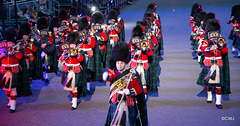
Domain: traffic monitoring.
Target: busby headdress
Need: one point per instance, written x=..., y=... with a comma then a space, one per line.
x=63, y=14
x=73, y=11
x=112, y=15
x=42, y=23
x=207, y=17
x=117, y=10
x=10, y=34
x=152, y=7
x=84, y=23
x=211, y=25
x=148, y=15
x=79, y=10
x=200, y=18
x=97, y=17
x=137, y=31
x=194, y=8
x=120, y=52
x=73, y=38
x=55, y=22
x=24, y=30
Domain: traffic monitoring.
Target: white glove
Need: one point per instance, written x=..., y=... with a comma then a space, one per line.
x=126, y=91
x=105, y=76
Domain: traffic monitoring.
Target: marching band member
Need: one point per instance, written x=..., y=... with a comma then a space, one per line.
x=47, y=46
x=113, y=28
x=28, y=47
x=127, y=102
x=10, y=68
x=66, y=26
x=121, y=22
x=89, y=48
x=73, y=72
x=101, y=37
x=215, y=72
x=140, y=55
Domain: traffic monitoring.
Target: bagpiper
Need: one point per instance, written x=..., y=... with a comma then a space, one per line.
x=101, y=35
x=88, y=46
x=127, y=101
x=48, y=48
x=141, y=50
x=215, y=72
x=10, y=68
x=73, y=71
x=235, y=32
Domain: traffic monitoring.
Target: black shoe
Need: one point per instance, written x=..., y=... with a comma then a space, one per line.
x=73, y=108
x=47, y=81
x=12, y=111
x=219, y=106
x=209, y=102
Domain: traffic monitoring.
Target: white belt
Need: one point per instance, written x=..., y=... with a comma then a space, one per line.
x=28, y=54
x=72, y=65
x=212, y=58
x=140, y=61
x=113, y=35
x=12, y=65
x=87, y=49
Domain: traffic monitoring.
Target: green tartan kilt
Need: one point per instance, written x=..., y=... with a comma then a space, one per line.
x=78, y=78
x=153, y=74
x=231, y=35
x=103, y=56
x=31, y=68
x=91, y=64
x=237, y=42
x=203, y=74
x=15, y=81
x=131, y=110
x=50, y=61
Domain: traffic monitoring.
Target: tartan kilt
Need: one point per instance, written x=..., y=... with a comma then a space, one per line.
x=15, y=82
x=153, y=70
x=78, y=78
x=237, y=42
x=132, y=114
x=90, y=64
x=231, y=35
x=24, y=88
x=38, y=69
x=203, y=74
x=97, y=75
x=50, y=60
x=31, y=69
x=195, y=44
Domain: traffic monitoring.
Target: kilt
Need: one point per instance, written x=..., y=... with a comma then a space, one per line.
x=97, y=75
x=90, y=64
x=231, y=35
x=132, y=114
x=153, y=70
x=236, y=44
x=38, y=69
x=78, y=78
x=15, y=81
x=203, y=74
x=31, y=69
x=24, y=88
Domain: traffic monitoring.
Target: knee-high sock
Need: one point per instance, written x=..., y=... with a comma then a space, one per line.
x=218, y=95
